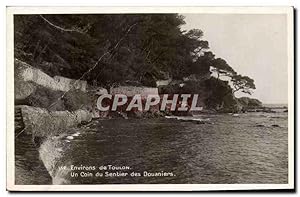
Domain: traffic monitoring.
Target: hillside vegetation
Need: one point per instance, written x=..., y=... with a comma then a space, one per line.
x=116, y=49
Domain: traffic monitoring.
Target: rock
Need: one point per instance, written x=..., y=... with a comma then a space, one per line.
x=43, y=123
x=35, y=88
x=70, y=137
x=260, y=125
x=77, y=99
x=275, y=125
x=130, y=91
x=76, y=134
x=44, y=98
x=249, y=103
x=69, y=84
x=23, y=89
x=83, y=116
x=28, y=166
x=26, y=73
x=200, y=122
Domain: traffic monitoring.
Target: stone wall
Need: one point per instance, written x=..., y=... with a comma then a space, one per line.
x=68, y=84
x=163, y=82
x=130, y=91
x=26, y=77
x=40, y=122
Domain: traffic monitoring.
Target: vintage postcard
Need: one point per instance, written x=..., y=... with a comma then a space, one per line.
x=150, y=98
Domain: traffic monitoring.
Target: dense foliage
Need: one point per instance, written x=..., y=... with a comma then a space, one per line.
x=110, y=49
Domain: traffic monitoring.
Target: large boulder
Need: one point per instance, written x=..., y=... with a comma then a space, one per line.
x=28, y=77
x=22, y=87
x=44, y=98
x=42, y=123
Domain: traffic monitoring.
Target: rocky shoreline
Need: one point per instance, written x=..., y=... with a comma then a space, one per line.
x=49, y=106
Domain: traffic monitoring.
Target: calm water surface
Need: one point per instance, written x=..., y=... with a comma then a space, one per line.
x=250, y=148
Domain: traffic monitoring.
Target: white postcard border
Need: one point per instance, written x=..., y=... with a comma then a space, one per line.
x=145, y=187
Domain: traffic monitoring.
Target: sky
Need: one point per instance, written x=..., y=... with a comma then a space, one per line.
x=252, y=44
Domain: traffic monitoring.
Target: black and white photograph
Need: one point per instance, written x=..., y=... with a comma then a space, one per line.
x=150, y=99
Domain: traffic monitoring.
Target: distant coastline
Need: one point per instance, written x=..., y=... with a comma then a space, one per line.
x=276, y=105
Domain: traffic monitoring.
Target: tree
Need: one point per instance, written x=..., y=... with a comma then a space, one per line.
x=242, y=83
x=106, y=49
x=196, y=44
x=203, y=46
x=195, y=34
x=219, y=93
x=221, y=67
x=203, y=63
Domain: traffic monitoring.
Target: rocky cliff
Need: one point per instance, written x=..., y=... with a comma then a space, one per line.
x=44, y=105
